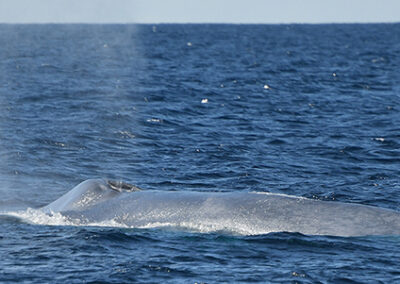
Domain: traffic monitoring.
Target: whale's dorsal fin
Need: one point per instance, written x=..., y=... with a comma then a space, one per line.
x=121, y=186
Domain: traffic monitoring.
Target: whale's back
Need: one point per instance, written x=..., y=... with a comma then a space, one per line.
x=97, y=201
x=89, y=193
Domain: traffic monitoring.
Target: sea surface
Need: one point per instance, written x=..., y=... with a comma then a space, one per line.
x=305, y=110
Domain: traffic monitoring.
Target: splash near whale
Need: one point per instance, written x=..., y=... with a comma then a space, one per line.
x=99, y=201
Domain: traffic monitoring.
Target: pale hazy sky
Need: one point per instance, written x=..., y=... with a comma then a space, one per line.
x=199, y=11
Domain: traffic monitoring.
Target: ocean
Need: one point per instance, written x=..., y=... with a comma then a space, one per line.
x=304, y=110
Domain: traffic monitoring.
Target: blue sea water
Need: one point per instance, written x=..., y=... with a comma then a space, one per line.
x=305, y=110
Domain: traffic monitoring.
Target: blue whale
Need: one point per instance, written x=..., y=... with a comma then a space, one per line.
x=98, y=201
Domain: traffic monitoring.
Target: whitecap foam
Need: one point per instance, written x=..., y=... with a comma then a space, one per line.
x=38, y=217
x=203, y=227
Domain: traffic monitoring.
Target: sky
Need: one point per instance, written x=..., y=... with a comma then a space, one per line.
x=199, y=11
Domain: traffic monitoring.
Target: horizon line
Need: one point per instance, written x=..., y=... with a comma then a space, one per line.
x=196, y=23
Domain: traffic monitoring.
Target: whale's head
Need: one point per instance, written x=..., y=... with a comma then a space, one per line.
x=89, y=193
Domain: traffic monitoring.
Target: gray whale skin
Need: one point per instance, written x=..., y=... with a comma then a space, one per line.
x=94, y=201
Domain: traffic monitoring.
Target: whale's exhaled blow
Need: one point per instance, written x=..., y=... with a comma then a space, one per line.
x=96, y=201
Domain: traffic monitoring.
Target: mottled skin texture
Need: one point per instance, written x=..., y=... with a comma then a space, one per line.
x=96, y=201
